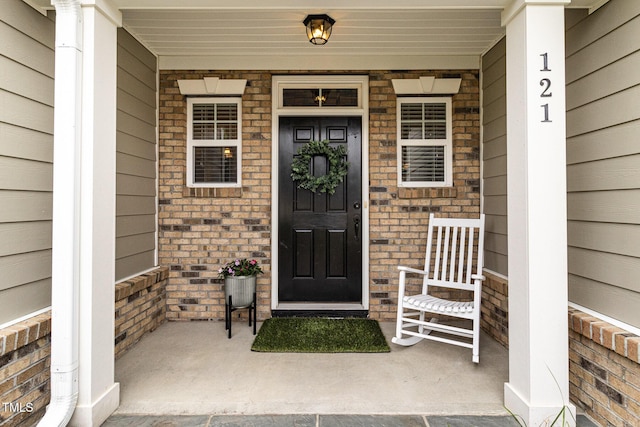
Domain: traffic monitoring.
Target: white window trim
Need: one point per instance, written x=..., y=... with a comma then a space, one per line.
x=280, y=83
x=447, y=143
x=191, y=143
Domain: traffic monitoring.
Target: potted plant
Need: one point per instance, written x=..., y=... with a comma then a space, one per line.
x=240, y=281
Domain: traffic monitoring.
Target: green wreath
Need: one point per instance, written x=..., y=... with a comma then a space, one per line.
x=338, y=166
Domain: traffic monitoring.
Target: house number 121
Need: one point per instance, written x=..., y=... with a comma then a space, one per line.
x=546, y=87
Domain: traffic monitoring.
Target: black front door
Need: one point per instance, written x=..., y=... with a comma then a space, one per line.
x=320, y=235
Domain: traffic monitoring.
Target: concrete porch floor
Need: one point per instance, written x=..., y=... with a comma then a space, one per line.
x=191, y=368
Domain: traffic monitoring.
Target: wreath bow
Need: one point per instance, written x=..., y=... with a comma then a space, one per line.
x=338, y=166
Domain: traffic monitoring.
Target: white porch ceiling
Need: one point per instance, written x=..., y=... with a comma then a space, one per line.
x=360, y=38
x=368, y=34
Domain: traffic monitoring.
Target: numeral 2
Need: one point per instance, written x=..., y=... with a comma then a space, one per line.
x=546, y=83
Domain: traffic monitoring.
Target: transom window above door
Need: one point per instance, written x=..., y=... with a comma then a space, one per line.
x=320, y=97
x=214, y=142
x=319, y=94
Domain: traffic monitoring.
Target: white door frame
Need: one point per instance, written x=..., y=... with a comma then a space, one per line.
x=361, y=83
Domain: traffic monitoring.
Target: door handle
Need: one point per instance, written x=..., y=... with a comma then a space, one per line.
x=356, y=225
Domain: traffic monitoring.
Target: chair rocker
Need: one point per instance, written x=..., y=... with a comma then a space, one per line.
x=450, y=265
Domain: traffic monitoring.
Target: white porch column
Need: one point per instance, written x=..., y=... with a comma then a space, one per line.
x=98, y=393
x=538, y=384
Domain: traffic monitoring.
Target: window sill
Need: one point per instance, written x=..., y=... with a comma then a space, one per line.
x=427, y=193
x=212, y=192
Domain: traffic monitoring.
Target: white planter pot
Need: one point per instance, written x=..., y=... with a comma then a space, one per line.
x=241, y=289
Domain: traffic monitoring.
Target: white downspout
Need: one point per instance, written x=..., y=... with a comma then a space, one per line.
x=66, y=220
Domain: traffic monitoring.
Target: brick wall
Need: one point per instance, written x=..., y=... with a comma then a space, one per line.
x=140, y=307
x=399, y=216
x=204, y=228
x=25, y=360
x=201, y=229
x=495, y=307
x=604, y=370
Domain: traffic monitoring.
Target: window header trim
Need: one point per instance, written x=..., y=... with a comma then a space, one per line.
x=212, y=86
x=426, y=85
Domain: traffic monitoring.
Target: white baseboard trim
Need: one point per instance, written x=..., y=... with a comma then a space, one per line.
x=535, y=415
x=95, y=414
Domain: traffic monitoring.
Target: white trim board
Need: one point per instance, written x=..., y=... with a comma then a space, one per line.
x=25, y=317
x=627, y=327
x=356, y=81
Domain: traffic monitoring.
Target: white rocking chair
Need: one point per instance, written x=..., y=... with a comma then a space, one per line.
x=449, y=263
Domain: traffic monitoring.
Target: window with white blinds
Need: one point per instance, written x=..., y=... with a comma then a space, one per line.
x=215, y=164
x=423, y=164
x=424, y=142
x=214, y=142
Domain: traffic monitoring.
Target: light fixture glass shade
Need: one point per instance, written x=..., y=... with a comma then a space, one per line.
x=318, y=28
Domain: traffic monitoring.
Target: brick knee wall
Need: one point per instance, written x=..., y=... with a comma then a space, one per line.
x=25, y=361
x=495, y=308
x=140, y=307
x=604, y=370
x=25, y=348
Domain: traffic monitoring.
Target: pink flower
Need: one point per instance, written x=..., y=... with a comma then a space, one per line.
x=253, y=262
x=237, y=262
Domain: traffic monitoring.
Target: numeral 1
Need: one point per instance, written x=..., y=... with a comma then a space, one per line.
x=545, y=62
x=545, y=107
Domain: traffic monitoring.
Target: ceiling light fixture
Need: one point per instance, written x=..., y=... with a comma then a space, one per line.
x=318, y=28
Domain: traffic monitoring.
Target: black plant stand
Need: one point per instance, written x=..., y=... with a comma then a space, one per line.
x=229, y=308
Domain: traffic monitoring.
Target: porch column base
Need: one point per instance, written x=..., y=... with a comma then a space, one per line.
x=99, y=410
x=522, y=409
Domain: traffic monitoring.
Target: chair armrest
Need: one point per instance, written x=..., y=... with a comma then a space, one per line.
x=478, y=277
x=401, y=282
x=411, y=270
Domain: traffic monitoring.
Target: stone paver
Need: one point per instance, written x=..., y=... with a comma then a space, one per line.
x=263, y=421
x=472, y=421
x=371, y=421
x=157, y=421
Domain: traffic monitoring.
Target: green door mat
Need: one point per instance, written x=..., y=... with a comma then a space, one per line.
x=320, y=335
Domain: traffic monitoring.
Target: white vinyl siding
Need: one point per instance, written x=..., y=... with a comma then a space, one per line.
x=494, y=157
x=603, y=160
x=26, y=159
x=214, y=142
x=136, y=163
x=424, y=142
